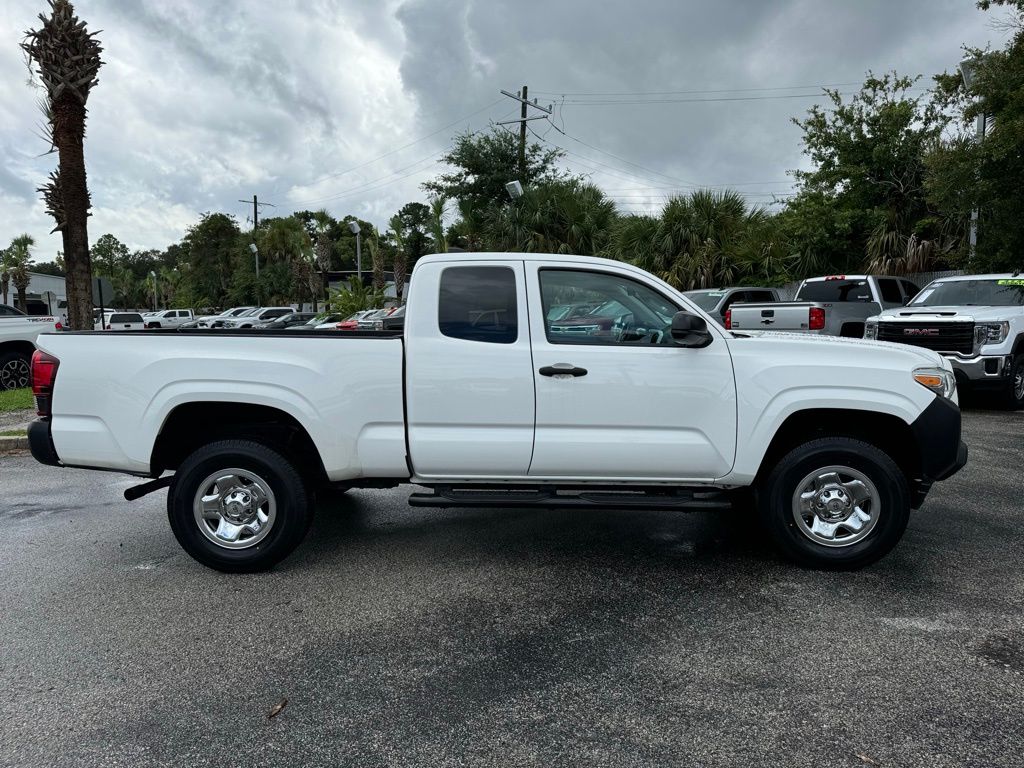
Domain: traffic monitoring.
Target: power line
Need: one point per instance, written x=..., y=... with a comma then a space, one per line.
x=435, y=156
x=627, y=102
x=713, y=90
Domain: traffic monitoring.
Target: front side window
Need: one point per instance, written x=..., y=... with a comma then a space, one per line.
x=605, y=309
x=478, y=304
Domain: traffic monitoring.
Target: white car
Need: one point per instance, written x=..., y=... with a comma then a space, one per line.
x=18, y=334
x=118, y=321
x=168, y=318
x=257, y=317
x=215, y=321
x=484, y=404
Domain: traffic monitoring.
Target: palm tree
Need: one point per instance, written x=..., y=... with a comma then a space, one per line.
x=437, y=210
x=66, y=57
x=16, y=262
x=322, y=222
x=469, y=228
x=5, y=272
x=377, y=260
x=560, y=217
x=401, y=260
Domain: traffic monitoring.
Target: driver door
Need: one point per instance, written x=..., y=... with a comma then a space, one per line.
x=616, y=399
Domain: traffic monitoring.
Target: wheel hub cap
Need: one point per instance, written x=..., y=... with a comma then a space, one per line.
x=836, y=506
x=234, y=508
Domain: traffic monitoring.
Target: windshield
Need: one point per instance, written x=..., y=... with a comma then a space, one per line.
x=706, y=300
x=834, y=290
x=1008, y=292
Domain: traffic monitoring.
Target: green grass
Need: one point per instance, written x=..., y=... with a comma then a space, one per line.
x=13, y=433
x=16, y=400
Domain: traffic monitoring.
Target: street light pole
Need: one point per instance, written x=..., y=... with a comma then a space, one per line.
x=968, y=68
x=353, y=227
x=155, y=299
x=256, y=253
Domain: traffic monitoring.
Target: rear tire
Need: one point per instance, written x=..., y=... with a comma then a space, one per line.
x=803, y=507
x=238, y=506
x=15, y=370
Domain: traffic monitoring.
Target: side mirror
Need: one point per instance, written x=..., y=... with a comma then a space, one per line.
x=690, y=331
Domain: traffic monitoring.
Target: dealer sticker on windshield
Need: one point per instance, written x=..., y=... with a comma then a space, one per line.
x=1016, y=281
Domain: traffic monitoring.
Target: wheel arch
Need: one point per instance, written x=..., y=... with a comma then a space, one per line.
x=885, y=431
x=19, y=346
x=190, y=426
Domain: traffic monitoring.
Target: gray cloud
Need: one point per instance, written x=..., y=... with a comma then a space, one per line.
x=201, y=103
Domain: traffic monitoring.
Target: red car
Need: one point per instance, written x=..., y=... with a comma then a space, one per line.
x=352, y=322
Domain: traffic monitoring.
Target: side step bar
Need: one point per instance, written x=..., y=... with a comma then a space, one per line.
x=544, y=498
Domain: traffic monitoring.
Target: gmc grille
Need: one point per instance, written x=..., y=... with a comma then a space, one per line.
x=941, y=336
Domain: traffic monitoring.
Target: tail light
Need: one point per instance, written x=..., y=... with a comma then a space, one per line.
x=44, y=371
x=57, y=326
x=728, y=319
x=816, y=319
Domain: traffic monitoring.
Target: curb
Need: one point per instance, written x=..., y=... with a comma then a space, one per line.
x=19, y=443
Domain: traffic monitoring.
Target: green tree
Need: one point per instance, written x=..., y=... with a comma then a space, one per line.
x=986, y=175
x=108, y=254
x=213, y=248
x=66, y=58
x=556, y=217
x=14, y=265
x=702, y=240
x=401, y=257
x=864, y=201
x=483, y=163
x=355, y=297
x=437, y=205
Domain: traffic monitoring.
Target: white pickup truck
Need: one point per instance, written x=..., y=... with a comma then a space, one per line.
x=974, y=321
x=484, y=400
x=18, y=334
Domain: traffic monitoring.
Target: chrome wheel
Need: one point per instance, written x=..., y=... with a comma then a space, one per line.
x=836, y=506
x=15, y=373
x=235, y=508
x=1018, y=383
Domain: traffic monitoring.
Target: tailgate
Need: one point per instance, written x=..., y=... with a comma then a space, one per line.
x=777, y=316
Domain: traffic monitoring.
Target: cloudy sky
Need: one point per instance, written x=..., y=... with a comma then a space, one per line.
x=347, y=104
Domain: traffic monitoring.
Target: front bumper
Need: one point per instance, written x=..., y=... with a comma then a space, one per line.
x=941, y=450
x=982, y=368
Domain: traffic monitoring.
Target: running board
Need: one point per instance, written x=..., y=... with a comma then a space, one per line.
x=542, y=498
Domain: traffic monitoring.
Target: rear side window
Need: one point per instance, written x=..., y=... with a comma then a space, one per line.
x=125, y=318
x=909, y=289
x=478, y=304
x=835, y=290
x=6, y=311
x=890, y=290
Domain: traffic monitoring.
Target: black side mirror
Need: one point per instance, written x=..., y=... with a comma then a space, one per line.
x=690, y=331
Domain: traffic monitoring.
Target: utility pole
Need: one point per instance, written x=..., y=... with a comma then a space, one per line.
x=525, y=103
x=256, y=210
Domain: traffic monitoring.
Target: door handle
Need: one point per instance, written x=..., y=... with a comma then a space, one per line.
x=562, y=369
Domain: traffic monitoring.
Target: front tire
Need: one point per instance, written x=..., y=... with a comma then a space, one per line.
x=238, y=506
x=1012, y=397
x=15, y=371
x=835, y=503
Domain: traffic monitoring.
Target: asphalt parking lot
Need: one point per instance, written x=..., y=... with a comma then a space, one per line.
x=425, y=637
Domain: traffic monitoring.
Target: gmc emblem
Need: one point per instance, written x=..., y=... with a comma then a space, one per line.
x=920, y=331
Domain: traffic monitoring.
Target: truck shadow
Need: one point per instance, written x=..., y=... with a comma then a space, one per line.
x=362, y=518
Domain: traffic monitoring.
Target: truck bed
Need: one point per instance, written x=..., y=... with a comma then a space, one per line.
x=117, y=388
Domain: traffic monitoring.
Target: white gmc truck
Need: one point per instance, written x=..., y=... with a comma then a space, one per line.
x=974, y=321
x=484, y=399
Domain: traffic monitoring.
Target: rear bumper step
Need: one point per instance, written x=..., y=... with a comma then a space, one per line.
x=675, y=500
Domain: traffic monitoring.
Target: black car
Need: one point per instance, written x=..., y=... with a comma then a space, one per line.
x=287, y=321
x=395, y=321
